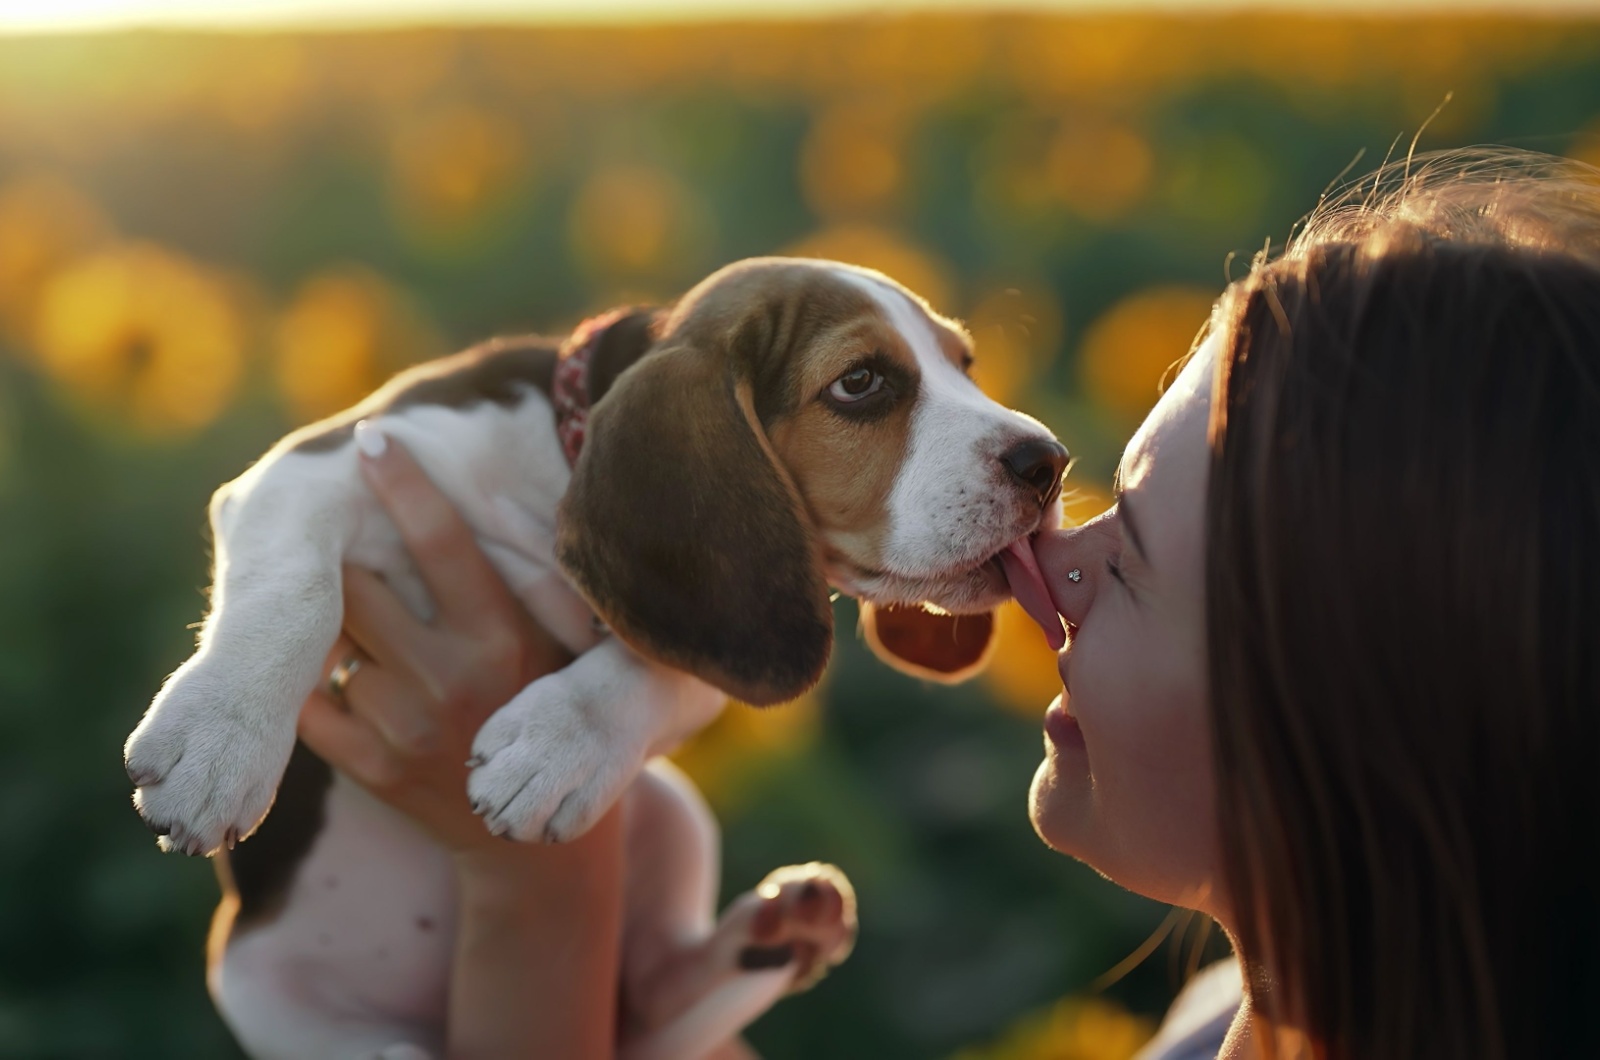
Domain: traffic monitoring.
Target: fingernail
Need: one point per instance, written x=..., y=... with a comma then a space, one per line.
x=754, y=958
x=370, y=439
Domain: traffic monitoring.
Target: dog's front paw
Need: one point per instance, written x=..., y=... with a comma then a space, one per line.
x=549, y=764
x=204, y=769
x=806, y=917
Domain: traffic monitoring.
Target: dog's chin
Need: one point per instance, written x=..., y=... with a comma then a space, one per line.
x=963, y=592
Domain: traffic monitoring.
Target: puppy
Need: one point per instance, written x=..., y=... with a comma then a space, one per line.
x=671, y=493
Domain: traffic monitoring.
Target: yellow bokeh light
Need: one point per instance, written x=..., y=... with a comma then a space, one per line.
x=265, y=84
x=634, y=220
x=1074, y=1029
x=889, y=253
x=451, y=167
x=389, y=69
x=1081, y=501
x=1128, y=350
x=345, y=330
x=1099, y=169
x=142, y=333
x=850, y=163
x=1585, y=146
x=44, y=221
x=1017, y=333
x=728, y=755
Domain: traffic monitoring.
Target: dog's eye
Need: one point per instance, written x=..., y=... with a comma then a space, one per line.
x=855, y=384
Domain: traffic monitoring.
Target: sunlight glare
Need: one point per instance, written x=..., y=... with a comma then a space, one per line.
x=56, y=16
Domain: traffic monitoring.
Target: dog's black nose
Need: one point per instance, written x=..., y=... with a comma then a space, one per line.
x=1038, y=464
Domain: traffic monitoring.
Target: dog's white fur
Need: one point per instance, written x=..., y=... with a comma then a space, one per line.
x=208, y=755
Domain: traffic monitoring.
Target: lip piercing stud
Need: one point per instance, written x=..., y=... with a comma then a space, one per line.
x=1075, y=574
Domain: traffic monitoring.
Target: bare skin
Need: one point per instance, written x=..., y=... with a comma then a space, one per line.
x=1126, y=784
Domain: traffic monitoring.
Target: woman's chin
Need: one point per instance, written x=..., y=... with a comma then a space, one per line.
x=1063, y=813
x=1056, y=814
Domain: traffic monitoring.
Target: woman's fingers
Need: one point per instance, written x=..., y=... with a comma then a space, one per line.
x=371, y=702
x=458, y=575
x=380, y=622
x=347, y=742
x=340, y=737
x=393, y=705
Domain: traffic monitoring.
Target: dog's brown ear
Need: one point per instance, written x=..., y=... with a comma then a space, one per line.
x=929, y=644
x=686, y=537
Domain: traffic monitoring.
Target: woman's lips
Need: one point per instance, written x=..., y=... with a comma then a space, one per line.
x=1061, y=727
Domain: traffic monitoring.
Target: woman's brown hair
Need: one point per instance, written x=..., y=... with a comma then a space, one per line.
x=1403, y=612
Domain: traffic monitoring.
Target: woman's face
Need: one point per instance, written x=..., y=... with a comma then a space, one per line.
x=1126, y=784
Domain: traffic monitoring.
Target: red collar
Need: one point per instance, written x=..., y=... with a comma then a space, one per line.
x=569, y=390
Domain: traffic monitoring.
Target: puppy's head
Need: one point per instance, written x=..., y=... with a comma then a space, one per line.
x=799, y=424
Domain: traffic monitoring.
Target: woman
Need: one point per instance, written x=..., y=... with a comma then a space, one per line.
x=1333, y=676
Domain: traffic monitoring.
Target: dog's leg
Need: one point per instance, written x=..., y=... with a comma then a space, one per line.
x=556, y=757
x=778, y=939
x=208, y=754
x=690, y=986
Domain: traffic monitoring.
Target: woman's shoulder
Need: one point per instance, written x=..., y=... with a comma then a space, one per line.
x=1198, y=1020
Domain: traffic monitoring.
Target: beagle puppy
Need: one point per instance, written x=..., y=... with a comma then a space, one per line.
x=671, y=493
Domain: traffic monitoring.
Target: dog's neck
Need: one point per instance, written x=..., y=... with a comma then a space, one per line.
x=594, y=355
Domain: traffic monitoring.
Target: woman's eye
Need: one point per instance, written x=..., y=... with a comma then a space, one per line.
x=855, y=384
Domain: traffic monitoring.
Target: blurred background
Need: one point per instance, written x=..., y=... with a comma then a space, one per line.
x=208, y=236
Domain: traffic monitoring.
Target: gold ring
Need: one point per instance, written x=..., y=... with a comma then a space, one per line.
x=339, y=678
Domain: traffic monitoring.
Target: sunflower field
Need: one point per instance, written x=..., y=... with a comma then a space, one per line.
x=208, y=239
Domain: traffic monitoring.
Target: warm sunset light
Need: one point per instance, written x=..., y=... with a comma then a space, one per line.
x=221, y=220
x=70, y=15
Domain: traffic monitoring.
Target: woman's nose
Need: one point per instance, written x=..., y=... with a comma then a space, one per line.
x=1062, y=562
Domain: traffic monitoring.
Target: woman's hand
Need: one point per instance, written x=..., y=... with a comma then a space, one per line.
x=539, y=931
x=416, y=692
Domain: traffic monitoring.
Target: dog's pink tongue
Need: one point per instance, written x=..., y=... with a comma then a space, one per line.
x=1027, y=585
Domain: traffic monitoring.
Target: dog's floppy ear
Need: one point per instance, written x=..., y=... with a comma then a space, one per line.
x=929, y=644
x=686, y=537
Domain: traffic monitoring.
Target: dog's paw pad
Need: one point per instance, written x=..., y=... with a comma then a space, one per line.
x=807, y=914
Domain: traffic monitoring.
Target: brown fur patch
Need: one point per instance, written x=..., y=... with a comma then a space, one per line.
x=844, y=471
x=843, y=468
x=498, y=371
x=259, y=873
x=725, y=444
